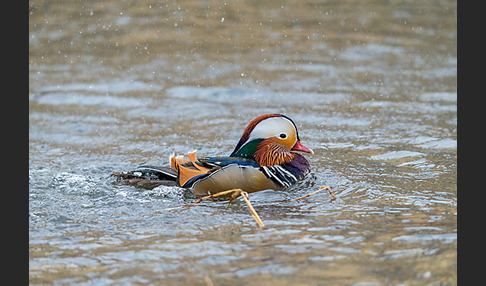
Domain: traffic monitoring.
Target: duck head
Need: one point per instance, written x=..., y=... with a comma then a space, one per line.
x=270, y=139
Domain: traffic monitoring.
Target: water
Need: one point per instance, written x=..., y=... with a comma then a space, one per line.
x=371, y=86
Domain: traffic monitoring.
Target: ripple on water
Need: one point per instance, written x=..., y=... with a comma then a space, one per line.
x=446, y=238
x=105, y=86
x=66, y=98
x=251, y=96
x=396, y=155
x=438, y=96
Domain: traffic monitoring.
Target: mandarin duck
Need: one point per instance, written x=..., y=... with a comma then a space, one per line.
x=264, y=158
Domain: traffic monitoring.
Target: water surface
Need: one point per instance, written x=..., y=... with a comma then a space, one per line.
x=371, y=86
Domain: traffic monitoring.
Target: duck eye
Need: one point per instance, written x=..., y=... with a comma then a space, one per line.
x=282, y=135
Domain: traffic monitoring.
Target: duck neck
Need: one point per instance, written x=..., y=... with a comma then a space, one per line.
x=247, y=150
x=270, y=153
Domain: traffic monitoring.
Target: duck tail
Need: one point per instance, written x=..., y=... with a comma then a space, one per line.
x=148, y=176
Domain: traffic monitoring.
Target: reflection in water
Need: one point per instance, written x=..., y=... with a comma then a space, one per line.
x=371, y=86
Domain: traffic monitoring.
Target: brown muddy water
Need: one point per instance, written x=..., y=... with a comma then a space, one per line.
x=371, y=86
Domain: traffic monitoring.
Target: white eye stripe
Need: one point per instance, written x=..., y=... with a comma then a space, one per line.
x=267, y=128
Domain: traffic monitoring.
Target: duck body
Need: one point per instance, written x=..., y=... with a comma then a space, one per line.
x=264, y=158
x=246, y=174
